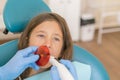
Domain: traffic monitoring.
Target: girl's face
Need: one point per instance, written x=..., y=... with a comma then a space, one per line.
x=49, y=34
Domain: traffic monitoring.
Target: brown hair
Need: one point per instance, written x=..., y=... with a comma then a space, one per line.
x=66, y=52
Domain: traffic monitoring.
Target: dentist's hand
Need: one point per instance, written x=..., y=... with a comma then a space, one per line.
x=54, y=72
x=18, y=63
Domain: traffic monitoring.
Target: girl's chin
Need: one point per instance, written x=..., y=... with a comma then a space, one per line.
x=46, y=66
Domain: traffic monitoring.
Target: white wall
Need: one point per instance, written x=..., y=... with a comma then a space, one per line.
x=2, y=3
x=2, y=25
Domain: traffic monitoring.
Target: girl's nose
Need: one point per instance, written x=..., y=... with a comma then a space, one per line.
x=48, y=43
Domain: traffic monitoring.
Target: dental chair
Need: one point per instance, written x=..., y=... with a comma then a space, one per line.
x=17, y=13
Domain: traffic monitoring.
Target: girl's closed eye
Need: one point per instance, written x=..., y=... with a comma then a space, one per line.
x=41, y=35
x=56, y=39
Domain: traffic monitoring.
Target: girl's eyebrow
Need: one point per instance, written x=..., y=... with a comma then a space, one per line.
x=40, y=31
x=58, y=35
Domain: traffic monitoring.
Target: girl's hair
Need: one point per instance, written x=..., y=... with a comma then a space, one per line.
x=67, y=48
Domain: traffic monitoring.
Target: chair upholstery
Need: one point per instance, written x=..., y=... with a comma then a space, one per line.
x=17, y=14
x=83, y=56
x=7, y=51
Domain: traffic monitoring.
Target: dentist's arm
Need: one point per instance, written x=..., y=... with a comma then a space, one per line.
x=18, y=63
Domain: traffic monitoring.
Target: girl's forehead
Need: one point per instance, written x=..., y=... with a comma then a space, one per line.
x=48, y=26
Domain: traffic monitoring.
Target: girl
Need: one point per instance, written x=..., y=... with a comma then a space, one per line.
x=51, y=30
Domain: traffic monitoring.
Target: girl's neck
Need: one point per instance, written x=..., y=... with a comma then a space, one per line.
x=34, y=72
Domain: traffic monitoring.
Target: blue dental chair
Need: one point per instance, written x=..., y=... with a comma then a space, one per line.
x=17, y=14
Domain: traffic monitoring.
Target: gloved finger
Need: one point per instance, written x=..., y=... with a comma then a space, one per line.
x=29, y=50
x=34, y=66
x=31, y=59
x=68, y=64
x=54, y=73
x=70, y=67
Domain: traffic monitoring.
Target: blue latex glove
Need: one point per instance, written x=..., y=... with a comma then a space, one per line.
x=18, y=63
x=54, y=72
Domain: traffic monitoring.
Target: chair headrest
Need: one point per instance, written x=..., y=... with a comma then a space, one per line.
x=17, y=13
